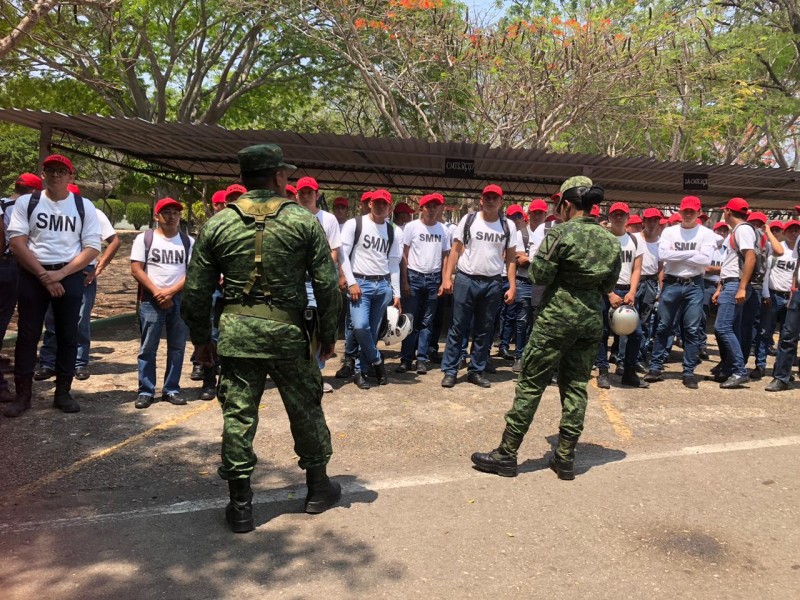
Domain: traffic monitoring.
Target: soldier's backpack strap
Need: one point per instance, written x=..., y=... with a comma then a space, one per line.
x=260, y=212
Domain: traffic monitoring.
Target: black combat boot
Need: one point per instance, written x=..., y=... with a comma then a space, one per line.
x=348, y=368
x=380, y=373
x=62, y=399
x=322, y=492
x=503, y=459
x=603, y=382
x=564, y=457
x=22, y=400
x=239, y=512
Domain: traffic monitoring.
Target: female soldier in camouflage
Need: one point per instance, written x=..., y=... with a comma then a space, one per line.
x=578, y=261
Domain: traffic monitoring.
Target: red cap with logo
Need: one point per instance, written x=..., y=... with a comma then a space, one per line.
x=720, y=225
x=702, y=217
x=635, y=220
x=773, y=224
x=514, y=209
x=167, y=203
x=341, y=201
x=537, y=204
x=792, y=223
x=366, y=196
x=738, y=205
x=652, y=213
x=403, y=208
x=30, y=180
x=307, y=182
x=435, y=198
x=619, y=207
x=663, y=221
x=58, y=159
x=492, y=189
x=675, y=218
x=757, y=217
x=291, y=190
x=595, y=212
x=71, y=187
x=219, y=197
x=381, y=194
x=235, y=188
x=690, y=203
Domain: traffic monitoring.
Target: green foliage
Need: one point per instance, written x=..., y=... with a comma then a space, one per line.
x=199, y=214
x=138, y=214
x=19, y=153
x=112, y=208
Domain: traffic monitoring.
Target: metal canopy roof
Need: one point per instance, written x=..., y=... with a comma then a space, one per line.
x=357, y=162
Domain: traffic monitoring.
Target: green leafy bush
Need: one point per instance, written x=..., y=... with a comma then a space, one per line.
x=138, y=214
x=112, y=208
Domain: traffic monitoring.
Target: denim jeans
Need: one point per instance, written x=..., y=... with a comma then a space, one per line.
x=708, y=291
x=631, y=347
x=787, y=344
x=47, y=352
x=478, y=298
x=366, y=315
x=728, y=330
x=524, y=320
x=751, y=326
x=9, y=274
x=684, y=300
x=421, y=305
x=34, y=300
x=772, y=316
x=645, y=303
x=152, y=320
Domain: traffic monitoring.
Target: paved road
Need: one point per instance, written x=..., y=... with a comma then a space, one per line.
x=680, y=494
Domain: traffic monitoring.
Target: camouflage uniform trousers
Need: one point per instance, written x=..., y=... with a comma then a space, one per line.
x=241, y=386
x=573, y=357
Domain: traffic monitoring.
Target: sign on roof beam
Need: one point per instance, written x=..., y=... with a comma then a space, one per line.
x=459, y=167
x=695, y=182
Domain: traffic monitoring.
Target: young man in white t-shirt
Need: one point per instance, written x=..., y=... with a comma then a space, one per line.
x=685, y=251
x=47, y=352
x=733, y=289
x=482, y=245
x=160, y=271
x=631, y=251
x=371, y=266
x=426, y=245
x=649, y=286
x=54, y=235
x=710, y=281
x=790, y=330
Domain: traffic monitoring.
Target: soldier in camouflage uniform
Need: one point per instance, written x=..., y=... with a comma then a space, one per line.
x=578, y=261
x=263, y=246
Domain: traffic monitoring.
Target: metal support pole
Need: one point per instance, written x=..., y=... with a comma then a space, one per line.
x=45, y=138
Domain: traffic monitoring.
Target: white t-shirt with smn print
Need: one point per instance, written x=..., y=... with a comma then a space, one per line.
x=166, y=260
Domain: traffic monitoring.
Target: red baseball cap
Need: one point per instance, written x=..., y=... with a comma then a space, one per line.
x=663, y=221
x=595, y=212
x=235, y=188
x=720, y=225
x=757, y=216
x=738, y=205
x=71, y=187
x=403, y=208
x=792, y=223
x=341, y=201
x=514, y=209
x=778, y=224
x=29, y=180
x=652, y=213
x=437, y=198
x=167, y=202
x=690, y=203
x=366, y=196
x=537, y=204
x=58, y=159
x=635, y=220
x=797, y=208
x=219, y=197
x=307, y=182
x=492, y=189
x=551, y=218
x=675, y=218
x=702, y=217
x=619, y=206
x=382, y=195
x=290, y=189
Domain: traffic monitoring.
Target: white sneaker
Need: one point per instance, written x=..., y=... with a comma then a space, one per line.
x=327, y=388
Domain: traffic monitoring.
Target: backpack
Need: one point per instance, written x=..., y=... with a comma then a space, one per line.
x=37, y=196
x=148, y=243
x=758, y=272
x=357, y=235
x=525, y=237
x=471, y=219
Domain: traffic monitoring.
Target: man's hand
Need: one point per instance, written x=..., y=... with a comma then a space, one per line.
x=614, y=300
x=629, y=298
x=206, y=354
x=326, y=351
x=342, y=283
x=510, y=296
x=741, y=295
x=766, y=301
x=48, y=277
x=405, y=288
x=166, y=303
x=162, y=296
x=396, y=304
x=446, y=287
x=355, y=293
x=89, y=276
x=56, y=290
x=715, y=298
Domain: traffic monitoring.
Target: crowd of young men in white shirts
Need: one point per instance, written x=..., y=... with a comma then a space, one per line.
x=674, y=272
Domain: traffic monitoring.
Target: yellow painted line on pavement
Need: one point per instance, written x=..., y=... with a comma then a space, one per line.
x=78, y=465
x=613, y=414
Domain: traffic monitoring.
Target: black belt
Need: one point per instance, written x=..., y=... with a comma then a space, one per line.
x=54, y=267
x=710, y=281
x=682, y=280
x=484, y=277
x=437, y=274
x=650, y=277
x=372, y=277
x=728, y=280
x=523, y=278
x=623, y=288
x=781, y=294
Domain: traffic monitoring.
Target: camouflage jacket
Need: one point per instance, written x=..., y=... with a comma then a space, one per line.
x=294, y=244
x=577, y=261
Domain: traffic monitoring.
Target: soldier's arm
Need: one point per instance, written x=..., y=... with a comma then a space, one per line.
x=202, y=276
x=325, y=281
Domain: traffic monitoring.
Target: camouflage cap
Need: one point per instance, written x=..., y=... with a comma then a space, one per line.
x=577, y=181
x=262, y=156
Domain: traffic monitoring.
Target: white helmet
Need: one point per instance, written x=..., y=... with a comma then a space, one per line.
x=623, y=320
x=395, y=327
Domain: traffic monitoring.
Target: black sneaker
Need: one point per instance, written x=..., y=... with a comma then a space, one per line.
x=620, y=369
x=346, y=371
x=517, y=368
x=690, y=381
x=43, y=373
x=603, y=382
x=479, y=380
x=422, y=367
x=403, y=367
x=361, y=381
x=143, y=401
x=197, y=373
x=757, y=373
x=703, y=354
x=734, y=381
x=174, y=398
x=653, y=376
x=462, y=364
x=82, y=373
x=776, y=385
x=209, y=392
x=448, y=381
x=505, y=354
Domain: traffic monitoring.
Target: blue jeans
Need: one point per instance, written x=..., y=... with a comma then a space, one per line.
x=632, y=345
x=524, y=315
x=751, y=327
x=772, y=316
x=646, y=295
x=728, y=331
x=478, y=298
x=47, y=352
x=684, y=300
x=366, y=315
x=708, y=291
x=421, y=305
x=152, y=320
x=787, y=344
